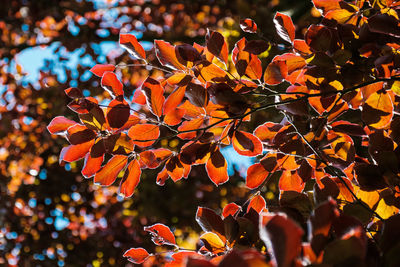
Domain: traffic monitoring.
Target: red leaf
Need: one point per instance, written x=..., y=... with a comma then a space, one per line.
x=144, y=134
x=267, y=131
x=257, y=203
x=248, y=25
x=174, y=99
x=230, y=209
x=131, y=179
x=284, y=26
x=109, y=172
x=111, y=84
x=217, y=45
x=217, y=168
x=165, y=53
x=100, y=69
x=246, y=144
x=117, y=113
x=154, y=93
x=161, y=234
x=131, y=44
x=275, y=72
x=284, y=237
x=137, y=255
x=59, y=124
x=256, y=175
x=74, y=152
x=91, y=165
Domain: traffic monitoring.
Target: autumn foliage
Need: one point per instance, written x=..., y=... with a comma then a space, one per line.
x=333, y=144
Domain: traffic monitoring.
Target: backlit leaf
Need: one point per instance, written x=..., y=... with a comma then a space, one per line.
x=378, y=110
x=91, y=165
x=154, y=93
x=112, y=84
x=217, y=168
x=275, y=72
x=130, y=179
x=256, y=175
x=165, y=53
x=284, y=26
x=161, y=234
x=230, y=209
x=59, y=124
x=248, y=25
x=217, y=45
x=144, y=134
x=174, y=99
x=246, y=144
x=100, y=69
x=213, y=243
x=131, y=44
x=283, y=236
x=137, y=255
x=72, y=153
x=257, y=203
x=109, y=172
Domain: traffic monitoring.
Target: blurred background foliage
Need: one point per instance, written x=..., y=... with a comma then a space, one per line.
x=49, y=214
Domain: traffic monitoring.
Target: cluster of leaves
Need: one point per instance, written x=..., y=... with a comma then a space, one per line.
x=335, y=150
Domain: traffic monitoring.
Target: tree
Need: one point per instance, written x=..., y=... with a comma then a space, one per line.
x=320, y=119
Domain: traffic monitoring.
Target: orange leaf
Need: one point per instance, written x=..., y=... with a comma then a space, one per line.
x=111, y=84
x=139, y=97
x=161, y=234
x=377, y=110
x=165, y=53
x=154, y=93
x=175, y=168
x=174, y=99
x=130, y=43
x=100, y=69
x=59, y=124
x=246, y=144
x=174, y=117
x=217, y=168
x=267, y=131
x=74, y=152
x=131, y=179
x=230, y=209
x=213, y=243
x=144, y=134
x=284, y=26
x=217, y=45
x=162, y=176
x=137, y=255
x=291, y=182
x=256, y=175
x=275, y=72
x=257, y=203
x=91, y=165
x=191, y=127
x=109, y=172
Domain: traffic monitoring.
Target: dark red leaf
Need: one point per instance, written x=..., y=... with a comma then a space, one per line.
x=283, y=235
x=209, y=221
x=118, y=113
x=217, y=45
